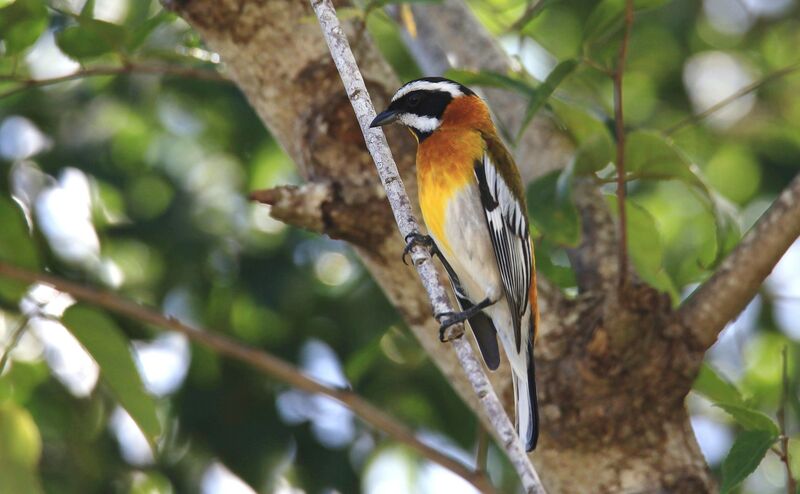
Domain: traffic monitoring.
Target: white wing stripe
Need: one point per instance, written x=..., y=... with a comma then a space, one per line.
x=508, y=226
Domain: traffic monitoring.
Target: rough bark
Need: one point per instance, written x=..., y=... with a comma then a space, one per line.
x=613, y=376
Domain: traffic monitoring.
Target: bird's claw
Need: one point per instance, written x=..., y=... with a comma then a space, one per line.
x=446, y=320
x=415, y=238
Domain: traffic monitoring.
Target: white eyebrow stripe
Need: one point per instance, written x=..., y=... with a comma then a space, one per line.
x=447, y=87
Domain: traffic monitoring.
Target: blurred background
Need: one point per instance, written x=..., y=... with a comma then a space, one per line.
x=125, y=162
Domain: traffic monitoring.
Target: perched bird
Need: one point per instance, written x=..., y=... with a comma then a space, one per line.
x=473, y=203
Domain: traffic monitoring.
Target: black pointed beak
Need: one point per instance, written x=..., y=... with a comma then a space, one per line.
x=384, y=118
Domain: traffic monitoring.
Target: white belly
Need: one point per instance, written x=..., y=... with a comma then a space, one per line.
x=472, y=257
x=471, y=253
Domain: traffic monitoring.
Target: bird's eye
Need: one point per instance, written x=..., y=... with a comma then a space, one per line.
x=414, y=100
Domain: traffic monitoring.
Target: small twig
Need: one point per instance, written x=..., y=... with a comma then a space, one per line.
x=596, y=66
x=187, y=72
x=16, y=335
x=692, y=119
x=482, y=453
x=630, y=177
x=620, y=161
x=401, y=207
x=532, y=10
x=260, y=360
x=791, y=482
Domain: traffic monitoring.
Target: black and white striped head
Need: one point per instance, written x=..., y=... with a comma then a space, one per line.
x=420, y=104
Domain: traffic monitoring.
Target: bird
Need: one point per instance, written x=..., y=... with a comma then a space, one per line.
x=473, y=203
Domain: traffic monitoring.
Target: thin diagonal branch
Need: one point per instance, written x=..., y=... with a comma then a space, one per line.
x=730, y=99
x=740, y=275
x=158, y=69
x=387, y=170
x=260, y=360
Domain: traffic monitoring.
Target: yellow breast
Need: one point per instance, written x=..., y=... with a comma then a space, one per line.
x=445, y=164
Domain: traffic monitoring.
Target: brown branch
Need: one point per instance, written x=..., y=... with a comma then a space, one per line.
x=133, y=68
x=692, y=119
x=378, y=148
x=740, y=275
x=260, y=360
x=620, y=161
x=329, y=208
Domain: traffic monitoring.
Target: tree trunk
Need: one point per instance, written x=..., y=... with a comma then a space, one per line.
x=612, y=377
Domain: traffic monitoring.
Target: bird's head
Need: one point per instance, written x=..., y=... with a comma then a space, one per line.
x=420, y=105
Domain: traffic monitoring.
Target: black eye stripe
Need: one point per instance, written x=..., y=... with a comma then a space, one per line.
x=424, y=103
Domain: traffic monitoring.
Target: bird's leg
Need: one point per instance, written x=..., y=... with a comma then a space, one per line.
x=451, y=318
x=415, y=238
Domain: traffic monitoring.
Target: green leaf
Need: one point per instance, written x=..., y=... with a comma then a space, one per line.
x=544, y=90
x=107, y=344
x=728, y=230
x=645, y=247
x=603, y=21
x=552, y=210
x=141, y=32
x=608, y=16
x=648, y=4
x=559, y=274
x=16, y=247
x=531, y=14
x=17, y=479
x=749, y=419
x=21, y=24
x=91, y=38
x=595, y=147
x=87, y=11
x=649, y=155
x=744, y=457
x=20, y=440
x=716, y=388
x=487, y=78
x=594, y=154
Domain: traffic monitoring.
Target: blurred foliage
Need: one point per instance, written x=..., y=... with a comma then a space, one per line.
x=125, y=181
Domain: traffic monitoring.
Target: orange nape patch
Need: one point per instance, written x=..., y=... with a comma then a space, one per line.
x=470, y=112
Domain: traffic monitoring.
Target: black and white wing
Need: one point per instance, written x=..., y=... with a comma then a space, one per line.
x=482, y=326
x=508, y=228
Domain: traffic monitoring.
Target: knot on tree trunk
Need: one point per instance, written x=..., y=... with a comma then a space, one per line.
x=359, y=215
x=616, y=372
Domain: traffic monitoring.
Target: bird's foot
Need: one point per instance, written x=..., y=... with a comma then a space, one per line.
x=448, y=319
x=415, y=238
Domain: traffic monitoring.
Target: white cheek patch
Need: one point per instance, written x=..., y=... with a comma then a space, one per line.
x=420, y=123
x=443, y=86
